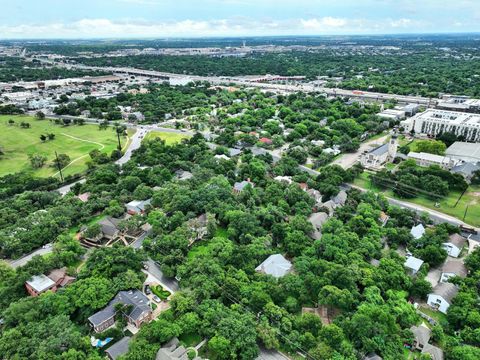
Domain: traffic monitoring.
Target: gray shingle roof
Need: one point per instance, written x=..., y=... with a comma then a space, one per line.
x=417, y=231
x=380, y=150
x=109, y=225
x=119, y=348
x=239, y=186
x=435, y=352
x=275, y=265
x=457, y=240
x=413, y=263
x=446, y=290
x=136, y=298
x=421, y=333
x=456, y=267
x=318, y=219
x=466, y=169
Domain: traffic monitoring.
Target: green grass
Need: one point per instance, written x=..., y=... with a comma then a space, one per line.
x=471, y=198
x=190, y=339
x=18, y=143
x=169, y=137
x=436, y=315
x=204, y=247
x=160, y=292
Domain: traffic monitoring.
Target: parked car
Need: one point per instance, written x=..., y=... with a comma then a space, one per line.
x=156, y=299
x=147, y=290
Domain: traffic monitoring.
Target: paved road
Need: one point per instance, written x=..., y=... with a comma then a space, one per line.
x=155, y=271
x=271, y=355
x=22, y=261
x=66, y=188
x=266, y=86
x=347, y=160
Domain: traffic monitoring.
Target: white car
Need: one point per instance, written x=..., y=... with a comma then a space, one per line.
x=156, y=299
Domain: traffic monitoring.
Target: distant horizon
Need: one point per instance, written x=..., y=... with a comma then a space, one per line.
x=93, y=19
x=226, y=37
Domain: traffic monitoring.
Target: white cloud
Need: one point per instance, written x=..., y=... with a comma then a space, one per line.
x=237, y=26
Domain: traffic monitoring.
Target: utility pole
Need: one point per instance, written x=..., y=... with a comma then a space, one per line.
x=59, y=167
x=118, y=137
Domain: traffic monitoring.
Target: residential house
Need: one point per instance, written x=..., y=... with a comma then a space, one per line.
x=238, y=187
x=317, y=220
x=421, y=336
x=234, y=152
x=183, y=175
x=318, y=142
x=118, y=349
x=372, y=356
x=109, y=227
x=454, y=245
x=84, y=197
x=417, y=231
x=442, y=296
x=275, y=265
x=340, y=199
x=453, y=267
x=137, y=207
x=60, y=277
x=332, y=151
x=315, y=195
x=266, y=141
x=413, y=264
x=285, y=179
x=434, y=352
x=56, y=279
x=140, y=310
x=329, y=206
x=172, y=350
x=39, y=284
x=222, y=156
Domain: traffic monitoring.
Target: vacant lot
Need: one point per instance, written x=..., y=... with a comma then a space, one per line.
x=18, y=143
x=469, y=202
x=169, y=137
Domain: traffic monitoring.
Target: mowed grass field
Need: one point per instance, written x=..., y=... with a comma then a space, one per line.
x=170, y=138
x=469, y=202
x=76, y=141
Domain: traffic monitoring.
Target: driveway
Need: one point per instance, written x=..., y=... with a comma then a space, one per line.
x=23, y=260
x=154, y=270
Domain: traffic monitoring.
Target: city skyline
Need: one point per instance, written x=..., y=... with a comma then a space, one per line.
x=214, y=18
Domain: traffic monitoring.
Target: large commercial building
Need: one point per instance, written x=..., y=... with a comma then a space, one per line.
x=459, y=103
x=434, y=122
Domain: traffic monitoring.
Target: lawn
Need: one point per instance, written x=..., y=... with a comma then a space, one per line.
x=169, y=137
x=436, y=315
x=203, y=247
x=160, y=292
x=190, y=339
x=469, y=202
x=76, y=141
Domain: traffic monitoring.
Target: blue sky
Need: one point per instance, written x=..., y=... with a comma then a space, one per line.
x=188, y=18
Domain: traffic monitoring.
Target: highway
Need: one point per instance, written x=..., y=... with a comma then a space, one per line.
x=222, y=80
